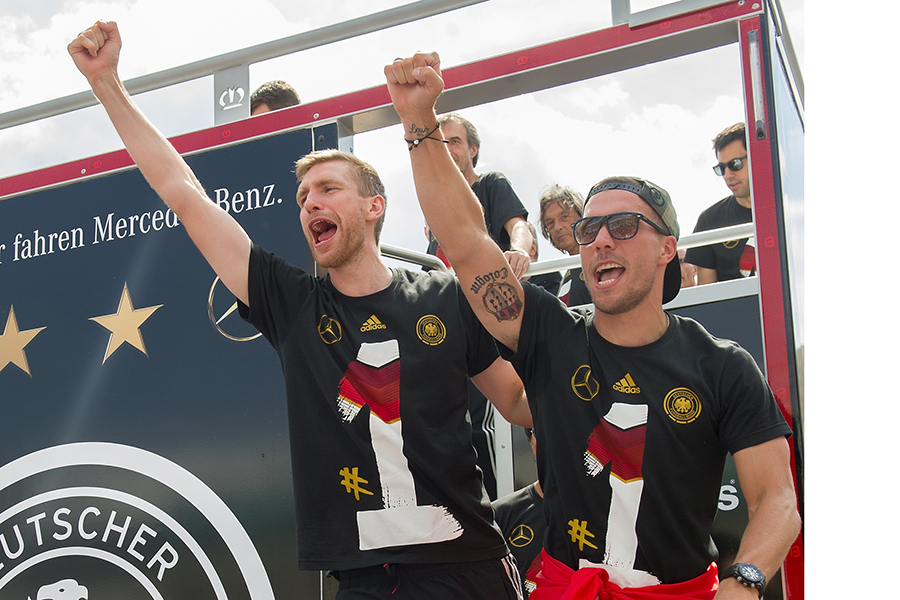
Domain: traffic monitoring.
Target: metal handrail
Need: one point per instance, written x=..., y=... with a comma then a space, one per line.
x=246, y=56
x=411, y=256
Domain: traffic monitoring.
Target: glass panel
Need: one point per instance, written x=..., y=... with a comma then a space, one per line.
x=790, y=134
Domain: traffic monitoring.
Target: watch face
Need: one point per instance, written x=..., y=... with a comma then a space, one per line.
x=751, y=573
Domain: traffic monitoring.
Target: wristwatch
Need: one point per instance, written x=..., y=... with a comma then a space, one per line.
x=748, y=575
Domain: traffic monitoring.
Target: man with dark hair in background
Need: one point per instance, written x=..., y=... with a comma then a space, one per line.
x=504, y=214
x=273, y=95
x=732, y=259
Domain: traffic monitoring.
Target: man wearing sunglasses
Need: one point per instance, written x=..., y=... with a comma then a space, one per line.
x=635, y=408
x=735, y=258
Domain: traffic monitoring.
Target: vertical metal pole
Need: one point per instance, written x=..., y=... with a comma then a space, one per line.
x=759, y=105
x=621, y=11
x=503, y=451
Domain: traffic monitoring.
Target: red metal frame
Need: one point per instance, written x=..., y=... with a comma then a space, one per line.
x=771, y=281
x=324, y=111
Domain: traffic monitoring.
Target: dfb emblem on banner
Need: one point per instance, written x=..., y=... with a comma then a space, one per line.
x=119, y=522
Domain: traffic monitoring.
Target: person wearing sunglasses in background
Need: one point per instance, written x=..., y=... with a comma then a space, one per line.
x=636, y=408
x=735, y=258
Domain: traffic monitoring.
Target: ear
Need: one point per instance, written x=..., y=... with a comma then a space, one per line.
x=376, y=208
x=667, y=250
x=473, y=150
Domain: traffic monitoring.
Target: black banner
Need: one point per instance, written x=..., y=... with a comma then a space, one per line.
x=143, y=437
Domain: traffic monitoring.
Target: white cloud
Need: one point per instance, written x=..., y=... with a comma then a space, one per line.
x=655, y=121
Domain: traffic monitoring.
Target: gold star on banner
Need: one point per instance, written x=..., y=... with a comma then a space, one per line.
x=13, y=342
x=125, y=324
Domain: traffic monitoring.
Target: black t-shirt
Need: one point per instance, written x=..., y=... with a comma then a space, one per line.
x=732, y=259
x=573, y=290
x=381, y=449
x=548, y=281
x=520, y=516
x=633, y=440
x=499, y=203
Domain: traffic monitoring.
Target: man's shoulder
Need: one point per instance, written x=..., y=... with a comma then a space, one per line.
x=491, y=182
x=510, y=501
x=433, y=280
x=717, y=207
x=546, y=304
x=499, y=199
x=723, y=213
x=490, y=177
x=699, y=339
x=264, y=261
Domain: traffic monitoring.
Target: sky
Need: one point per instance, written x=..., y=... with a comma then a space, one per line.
x=572, y=135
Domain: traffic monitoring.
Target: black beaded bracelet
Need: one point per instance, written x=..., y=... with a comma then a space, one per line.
x=415, y=143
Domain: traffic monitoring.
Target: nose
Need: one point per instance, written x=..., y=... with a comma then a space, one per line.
x=313, y=202
x=603, y=239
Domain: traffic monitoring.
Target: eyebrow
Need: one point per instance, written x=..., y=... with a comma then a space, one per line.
x=318, y=183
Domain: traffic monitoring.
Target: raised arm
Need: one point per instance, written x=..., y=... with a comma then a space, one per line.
x=450, y=207
x=220, y=238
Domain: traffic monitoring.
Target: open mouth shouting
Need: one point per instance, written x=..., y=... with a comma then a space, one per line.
x=608, y=273
x=322, y=230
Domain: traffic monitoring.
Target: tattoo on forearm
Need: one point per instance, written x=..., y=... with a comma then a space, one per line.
x=500, y=298
x=483, y=280
x=502, y=301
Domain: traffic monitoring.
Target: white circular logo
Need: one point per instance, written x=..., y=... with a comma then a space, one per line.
x=105, y=520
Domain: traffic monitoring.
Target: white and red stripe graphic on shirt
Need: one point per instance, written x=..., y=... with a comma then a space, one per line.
x=373, y=380
x=619, y=439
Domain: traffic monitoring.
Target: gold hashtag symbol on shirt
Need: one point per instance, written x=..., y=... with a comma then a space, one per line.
x=352, y=480
x=578, y=530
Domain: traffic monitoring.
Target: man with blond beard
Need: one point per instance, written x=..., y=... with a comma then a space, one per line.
x=386, y=489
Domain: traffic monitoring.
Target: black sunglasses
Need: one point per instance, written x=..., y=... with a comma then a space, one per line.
x=621, y=226
x=735, y=165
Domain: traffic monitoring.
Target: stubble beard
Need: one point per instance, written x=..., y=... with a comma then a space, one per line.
x=352, y=248
x=630, y=299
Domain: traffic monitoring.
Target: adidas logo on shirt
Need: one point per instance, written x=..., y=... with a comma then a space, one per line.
x=372, y=323
x=626, y=385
